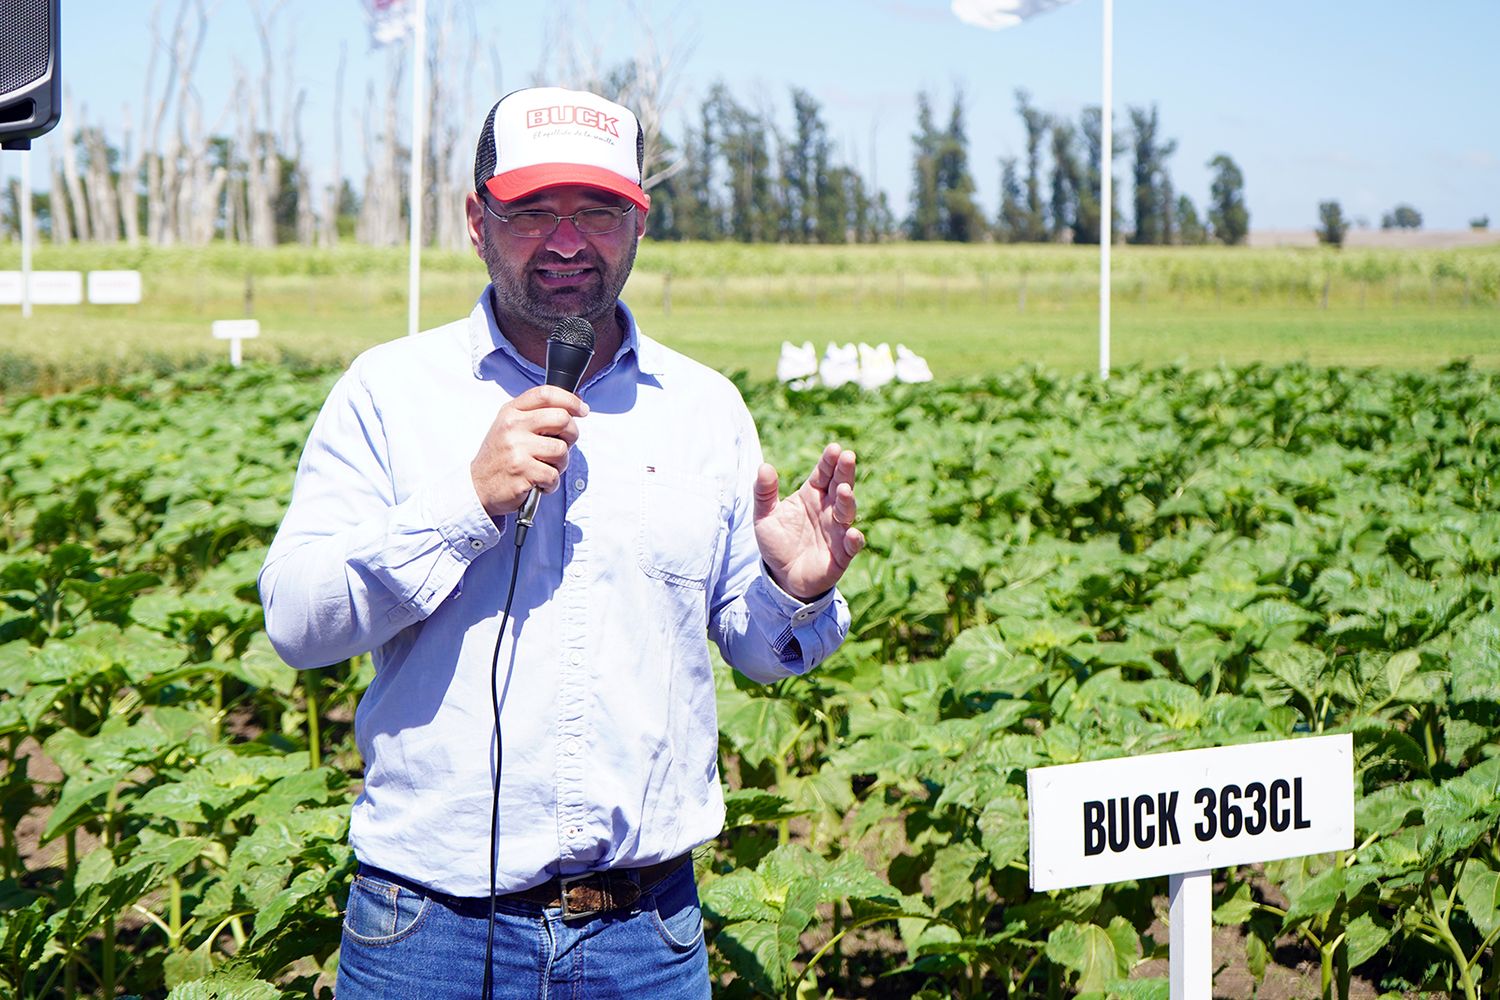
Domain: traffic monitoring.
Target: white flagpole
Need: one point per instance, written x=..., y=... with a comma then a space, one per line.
x=1106, y=185
x=418, y=99
x=26, y=232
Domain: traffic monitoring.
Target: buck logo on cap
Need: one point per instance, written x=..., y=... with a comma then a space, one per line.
x=546, y=136
x=537, y=117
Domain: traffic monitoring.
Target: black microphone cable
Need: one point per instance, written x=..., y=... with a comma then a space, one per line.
x=569, y=349
x=489, y=944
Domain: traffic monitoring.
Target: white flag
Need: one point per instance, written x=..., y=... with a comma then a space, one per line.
x=390, y=20
x=997, y=14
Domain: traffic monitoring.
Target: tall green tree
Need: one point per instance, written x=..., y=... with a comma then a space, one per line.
x=744, y=145
x=1010, y=222
x=1087, y=222
x=1331, y=223
x=1402, y=217
x=697, y=216
x=962, y=221
x=1035, y=123
x=926, y=218
x=1151, y=182
x=1066, y=179
x=1227, y=214
x=1190, y=229
x=804, y=172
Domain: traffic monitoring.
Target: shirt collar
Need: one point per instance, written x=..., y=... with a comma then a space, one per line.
x=486, y=337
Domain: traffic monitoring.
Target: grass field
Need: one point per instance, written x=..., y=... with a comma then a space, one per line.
x=968, y=309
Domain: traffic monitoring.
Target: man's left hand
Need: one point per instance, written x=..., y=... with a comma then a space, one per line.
x=807, y=540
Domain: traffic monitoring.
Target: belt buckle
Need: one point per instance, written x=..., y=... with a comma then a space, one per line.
x=564, y=883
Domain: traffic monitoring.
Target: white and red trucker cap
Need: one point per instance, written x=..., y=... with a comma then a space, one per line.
x=542, y=137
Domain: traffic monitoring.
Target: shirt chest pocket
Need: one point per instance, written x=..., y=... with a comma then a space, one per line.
x=681, y=529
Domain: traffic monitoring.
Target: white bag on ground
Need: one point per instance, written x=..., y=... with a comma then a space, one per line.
x=911, y=367
x=876, y=366
x=797, y=365
x=840, y=365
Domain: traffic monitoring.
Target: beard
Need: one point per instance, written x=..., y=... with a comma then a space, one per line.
x=519, y=293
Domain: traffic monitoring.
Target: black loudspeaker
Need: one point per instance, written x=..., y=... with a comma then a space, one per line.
x=30, y=70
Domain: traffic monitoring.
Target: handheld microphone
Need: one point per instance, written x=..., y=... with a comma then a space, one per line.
x=569, y=349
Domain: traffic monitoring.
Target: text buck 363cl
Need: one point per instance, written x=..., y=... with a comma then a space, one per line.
x=1163, y=814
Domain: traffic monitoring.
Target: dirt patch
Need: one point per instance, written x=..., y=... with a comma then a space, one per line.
x=1380, y=239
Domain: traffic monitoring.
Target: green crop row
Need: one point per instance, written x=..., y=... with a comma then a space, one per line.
x=1059, y=570
x=1200, y=267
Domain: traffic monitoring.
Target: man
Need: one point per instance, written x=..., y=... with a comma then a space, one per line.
x=659, y=525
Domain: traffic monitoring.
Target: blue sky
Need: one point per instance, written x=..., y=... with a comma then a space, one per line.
x=1373, y=103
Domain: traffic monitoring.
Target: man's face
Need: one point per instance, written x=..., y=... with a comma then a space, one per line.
x=566, y=273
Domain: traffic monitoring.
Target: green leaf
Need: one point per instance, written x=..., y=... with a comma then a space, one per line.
x=1235, y=906
x=1155, y=988
x=1318, y=895
x=1366, y=936
x=1096, y=955
x=756, y=727
x=1387, y=809
x=175, y=800
x=953, y=874
x=1479, y=891
x=1004, y=830
x=752, y=805
x=1199, y=650
x=78, y=791
x=225, y=988
x=1257, y=956
x=753, y=951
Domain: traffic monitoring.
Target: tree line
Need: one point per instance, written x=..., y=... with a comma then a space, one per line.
x=734, y=172
x=1056, y=194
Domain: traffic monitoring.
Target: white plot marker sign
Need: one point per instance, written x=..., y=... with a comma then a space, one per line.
x=116, y=288
x=1183, y=814
x=234, y=331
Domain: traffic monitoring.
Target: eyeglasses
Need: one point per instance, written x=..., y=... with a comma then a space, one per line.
x=534, y=225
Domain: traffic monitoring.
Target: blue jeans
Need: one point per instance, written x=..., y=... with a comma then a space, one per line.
x=402, y=944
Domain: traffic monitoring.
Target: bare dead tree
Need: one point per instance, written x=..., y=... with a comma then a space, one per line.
x=78, y=205
x=452, y=118
x=329, y=220
x=62, y=220
x=104, y=209
x=380, y=213
x=262, y=154
x=126, y=184
x=164, y=167
x=307, y=223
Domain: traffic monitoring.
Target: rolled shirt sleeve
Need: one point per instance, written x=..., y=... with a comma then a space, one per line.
x=761, y=630
x=353, y=564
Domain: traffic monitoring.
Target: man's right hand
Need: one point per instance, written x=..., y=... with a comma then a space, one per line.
x=526, y=446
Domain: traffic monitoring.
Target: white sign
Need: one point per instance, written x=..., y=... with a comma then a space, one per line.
x=234, y=331
x=115, y=288
x=1189, y=811
x=48, y=288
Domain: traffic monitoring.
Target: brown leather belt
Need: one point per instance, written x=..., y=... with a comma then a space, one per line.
x=580, y=897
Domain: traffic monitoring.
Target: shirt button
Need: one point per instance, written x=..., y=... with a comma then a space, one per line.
x=573, y=832
x=475, y=544
x=578, y=485
x=573, y=746
x=575, y=658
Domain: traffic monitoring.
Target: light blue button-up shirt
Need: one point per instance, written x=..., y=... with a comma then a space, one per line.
x=610, y=736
